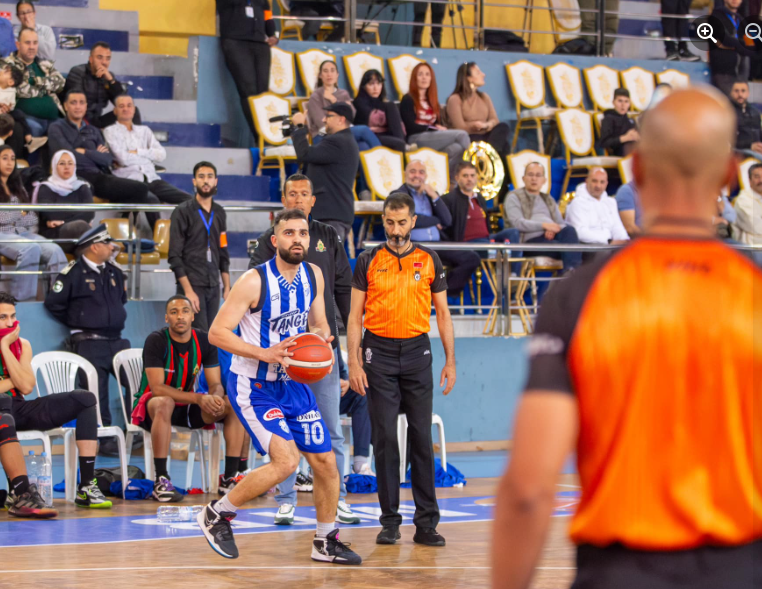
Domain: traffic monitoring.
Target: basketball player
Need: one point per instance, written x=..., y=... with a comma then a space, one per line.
x=271, y=304
x=648, y=363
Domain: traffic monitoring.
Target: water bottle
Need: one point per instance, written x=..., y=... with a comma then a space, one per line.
x=168, y=514
x=492, y=254
x=32, y=468
x=45, y=479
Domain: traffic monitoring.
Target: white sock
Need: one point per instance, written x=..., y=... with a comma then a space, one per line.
x=224, y=504
x=358, y=462
x=323, y=530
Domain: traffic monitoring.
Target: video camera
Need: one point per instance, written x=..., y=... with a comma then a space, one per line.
x=287, y=127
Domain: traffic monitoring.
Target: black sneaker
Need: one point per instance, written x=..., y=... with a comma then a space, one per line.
x=428, y=536
x=227, y=484
x=673, y=56
x=388, y=535
x=303, y=483
x=218, y=531
x=164, y=491
x=686, y=55
x=330, y=549
x=30, y=504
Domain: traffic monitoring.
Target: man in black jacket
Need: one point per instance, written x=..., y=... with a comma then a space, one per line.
x=749, y=130
x=618, y=133
x=327, y=252
x=332, y=166
x=431, y=217
x=247, y=31
x=729, y=59
x=98, y=84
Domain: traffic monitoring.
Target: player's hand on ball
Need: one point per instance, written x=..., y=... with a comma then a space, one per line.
x=448, y=374
x=278, y=354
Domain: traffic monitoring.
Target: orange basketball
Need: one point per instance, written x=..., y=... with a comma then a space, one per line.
x=311, y=360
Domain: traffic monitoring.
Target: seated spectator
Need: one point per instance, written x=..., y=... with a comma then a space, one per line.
x=166, y=397
x=36, y=96
x=749, y=120
x=472, y=111
x=469, y=212
x=22, y=225
x=377, y=112
x=593, y=214
x=432, y=217
x=6, y=128
x=20, y=137
x=630, y=211
x=99, y=85
x=748, y=206
x=619, y=134
x=535, y=214
x=64, y=188
x=137, y=151
x=326, y=94
x=725, y=217
x=94, y=158
x=421, y=115
x=27, y=16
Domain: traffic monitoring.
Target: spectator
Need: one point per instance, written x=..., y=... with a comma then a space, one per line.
x=27, y=16
x=137, y=151
x=247, y=31
x=313, y=8
x=420, y=113
x=748, y=205
x=98, y=84
x=590, y=23
x=472, y=111
x=535, y=214
x=198, y=248
x=437, y=16
x=619, y=134
x=331, y=166
x=94, y=159
x=677, y=28
x=593, y=214
x=36, y=96
x=20, y=137
x=729, y=61
x=6, y=128
x=431, y=218
x=23, y=225
x=89, y=297
x=167, y=397
x=469, y=212
x=630, y=211
x=377, y=112
x=64, y=188
x=749, y=121
x=725, y=218
x=7, y=38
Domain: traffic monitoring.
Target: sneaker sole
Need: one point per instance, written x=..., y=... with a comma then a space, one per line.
x=348, y=521
x=106, y=505
x=284, y=522
x=385, y=542
x=442, y=543
x=167, y=500
x=318, y=557
x=207, y=535
x=303, y=488
x=39, y=514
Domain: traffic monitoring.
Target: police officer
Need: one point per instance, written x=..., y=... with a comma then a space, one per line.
x=89, y=297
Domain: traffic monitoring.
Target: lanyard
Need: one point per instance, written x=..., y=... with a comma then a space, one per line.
x=732, y=18
x=208, y=225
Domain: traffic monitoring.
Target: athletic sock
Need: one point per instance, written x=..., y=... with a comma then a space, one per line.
x=224, y=504
x=231, y=466
x=323, y=530
x=86, y=469
x=20, y=485
x=243, y=464
x=358, y=462
x=160, y=466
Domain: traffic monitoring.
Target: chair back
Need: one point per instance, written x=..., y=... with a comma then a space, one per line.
x=282, y=72
x=601, y=82
x=576, y=128
x=401, y=68
x=565, y=84
x=383, y=169
x=743, y=172
x=161, y=236
x=309, y=67
x=59, y=372
x=118, y=229
x=527, y=84
x=641, y=84
x=357, y=64
x=264, y=107
x=518, y=162
x=131, y=361
x=673, y=78
x=625, y=169
x=437, y=167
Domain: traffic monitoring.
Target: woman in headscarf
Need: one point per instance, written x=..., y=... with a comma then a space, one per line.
x=63, y=187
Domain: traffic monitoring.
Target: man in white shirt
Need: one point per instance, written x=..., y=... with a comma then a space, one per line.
x=137, y=151
x=748, y=225
x=593, y=214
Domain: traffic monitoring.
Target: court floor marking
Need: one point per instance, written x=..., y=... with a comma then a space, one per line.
x=267, y=568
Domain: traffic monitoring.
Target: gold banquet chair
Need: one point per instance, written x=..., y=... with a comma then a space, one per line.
x=357, y=64
x=674, y=78
x=437, y=167
x=601, y=82
x=625, y=169
x=641, y=85
x=290, y=28
x=384, y=170
x=283, y=75
x=309, y=67
x=528, y=86
x=401, y=67
x=490, y=170
x=565, y=84
x=264, y=107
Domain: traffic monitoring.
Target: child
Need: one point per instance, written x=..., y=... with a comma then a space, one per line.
x=619, y=135
x=10, y=79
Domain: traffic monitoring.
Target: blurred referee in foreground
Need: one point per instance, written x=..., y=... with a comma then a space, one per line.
x=649, y=364
x=394, y=285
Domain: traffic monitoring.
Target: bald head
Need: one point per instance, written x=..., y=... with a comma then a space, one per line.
x=596, y=182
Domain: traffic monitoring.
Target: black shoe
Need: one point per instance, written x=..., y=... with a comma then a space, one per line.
x=673, y=56
x=218, y=531
x=428, y=536
x=330, y=549
x=30, y=504
x=164, y=491
x=388, y=535
x=686, y=55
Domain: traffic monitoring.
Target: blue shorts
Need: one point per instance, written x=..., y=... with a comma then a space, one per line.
x=283, y=408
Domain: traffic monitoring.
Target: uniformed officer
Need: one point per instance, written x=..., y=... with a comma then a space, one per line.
x=89, y=297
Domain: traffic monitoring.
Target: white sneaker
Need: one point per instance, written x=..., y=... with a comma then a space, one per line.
x=366, y=470
x=285, y=515
x=344, y=514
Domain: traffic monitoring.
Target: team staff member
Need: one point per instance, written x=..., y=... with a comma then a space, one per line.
x=664, y=414
x=89, y=297
x=327, y=252
x=198, y=248
x=394, y=285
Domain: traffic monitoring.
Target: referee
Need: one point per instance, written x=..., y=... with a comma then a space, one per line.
x=648, y=364
x=394, y=285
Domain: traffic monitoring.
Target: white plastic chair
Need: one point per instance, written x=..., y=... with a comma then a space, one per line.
x=402, y=440
x=59, y=373
x=132, y=362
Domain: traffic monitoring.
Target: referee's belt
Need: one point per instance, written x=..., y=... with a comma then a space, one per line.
x=84, y=336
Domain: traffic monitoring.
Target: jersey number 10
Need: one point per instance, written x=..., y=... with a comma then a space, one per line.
x=317, y=433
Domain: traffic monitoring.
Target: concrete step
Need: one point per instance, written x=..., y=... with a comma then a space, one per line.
x=79, y=14
x=230, y=189
x=168, y=111
x=187, y=134
x=229, y=162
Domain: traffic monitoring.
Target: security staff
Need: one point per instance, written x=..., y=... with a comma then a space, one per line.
x=89, y=297
x=394, y=285
x=326, y=251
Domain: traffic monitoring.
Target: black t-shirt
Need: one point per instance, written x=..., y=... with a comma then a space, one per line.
x=156, y=349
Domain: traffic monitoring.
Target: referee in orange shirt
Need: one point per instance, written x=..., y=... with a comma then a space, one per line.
x=649, y=364
x=394, y=285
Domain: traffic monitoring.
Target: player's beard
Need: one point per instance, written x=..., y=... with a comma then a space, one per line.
x=398, y=241
x=291, y=258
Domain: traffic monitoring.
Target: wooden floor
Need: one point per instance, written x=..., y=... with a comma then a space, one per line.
x=276, y=559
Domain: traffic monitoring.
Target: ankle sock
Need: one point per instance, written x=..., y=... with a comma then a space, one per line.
x=358, y=461
x=243, y=464
x=231, y=466
x=224, y=504
x=20, y=485
x=322, y=530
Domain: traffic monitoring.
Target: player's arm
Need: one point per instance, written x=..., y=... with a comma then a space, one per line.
x=357, y=378
x=156, y=378
x=317, y=319
x=19, y=370
x=444, y=324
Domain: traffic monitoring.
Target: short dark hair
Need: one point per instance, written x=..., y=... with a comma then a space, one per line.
x=17, y=75
x=21, y=32
x=70, y=92
x=296, y=178
x=200, y=165
x=100, y=44
x=177, y=297
x=7, y=298
x=526, y=168
x=20, y=3
x=288, y=215
x=744, y=82
x=123, y=95
x=463, y=166
x=399, y=200
x=6, y=124
x=621, y=92
x=751, y=168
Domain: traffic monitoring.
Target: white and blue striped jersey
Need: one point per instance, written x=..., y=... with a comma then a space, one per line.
x=281, y=312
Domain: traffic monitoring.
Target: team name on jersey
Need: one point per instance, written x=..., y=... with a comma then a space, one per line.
x=289, y=320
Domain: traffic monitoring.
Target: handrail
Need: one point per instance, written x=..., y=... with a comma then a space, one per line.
x=536, y=247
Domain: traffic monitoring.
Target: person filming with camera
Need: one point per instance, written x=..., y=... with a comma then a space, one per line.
x=331, y=166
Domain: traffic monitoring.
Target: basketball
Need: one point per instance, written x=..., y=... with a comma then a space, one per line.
x=311, y=360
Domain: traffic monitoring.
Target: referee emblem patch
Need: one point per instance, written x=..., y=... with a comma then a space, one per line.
x=417, y=276
x=368, y=355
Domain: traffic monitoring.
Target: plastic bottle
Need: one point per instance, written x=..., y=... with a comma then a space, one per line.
x=45, y=479
x=492, y=254
x=168, y=514
x=32, y=467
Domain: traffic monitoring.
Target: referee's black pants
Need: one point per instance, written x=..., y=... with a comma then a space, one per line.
x=400, y=381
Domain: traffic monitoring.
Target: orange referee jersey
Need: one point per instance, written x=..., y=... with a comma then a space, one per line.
x=398, y=289
x=662, y=346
